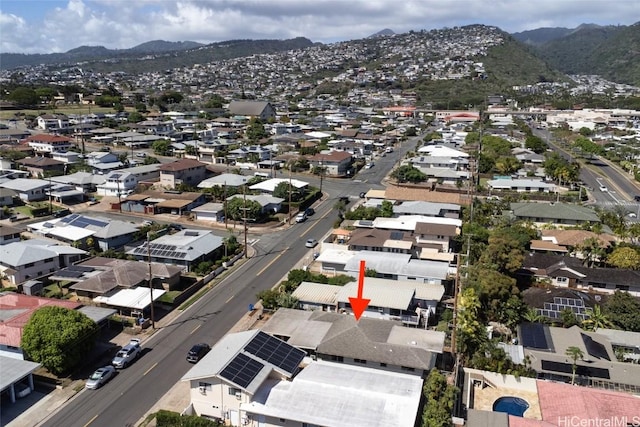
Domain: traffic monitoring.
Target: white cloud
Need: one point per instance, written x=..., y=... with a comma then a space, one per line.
x=124, y=24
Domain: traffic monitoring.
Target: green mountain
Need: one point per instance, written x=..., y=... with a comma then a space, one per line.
x=612, y=52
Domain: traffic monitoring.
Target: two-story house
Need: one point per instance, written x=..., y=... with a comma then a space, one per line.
x=28, y=190
x=252, y=378
x=117, y=183
x=47, y=144
x=334, y=163
x=40, y=167
x=9, y=234
x=183, y=171
x=52, y=122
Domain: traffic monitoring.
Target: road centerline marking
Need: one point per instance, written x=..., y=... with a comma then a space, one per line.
x=195, y=329
x=272, y=261
x=91, y=420
x=149, y=370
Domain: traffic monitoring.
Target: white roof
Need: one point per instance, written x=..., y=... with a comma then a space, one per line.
x=230, y=179
x=317, y=134
x=442, y=151
x=340, y=395
x=194, y=243
x=398, y=264
x=335, y=256
x=137, y=298
x=34, y=250
x=519, y=183
x=271, y=184
x=24, y=184
x=318, y=293
x=408, y=222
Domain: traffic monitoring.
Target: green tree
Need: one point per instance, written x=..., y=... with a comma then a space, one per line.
x=623, y=309
x=161, y=147
x=624, y=257
x=170, y=97
x=59, y=338
x=386, y=209
x=135, y=117
x=596, y=319
x=216, y=101
x=255, y=130
x=569, y=318
x=470, y=332
x=574, y=354
x=408, y=173
x=24, y=97
x=440, y=398
x=238, y=208
x=535, y=144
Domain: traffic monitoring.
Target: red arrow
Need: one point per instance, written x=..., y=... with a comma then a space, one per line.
x=359, y=304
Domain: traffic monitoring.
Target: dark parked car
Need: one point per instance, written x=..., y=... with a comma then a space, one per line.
x=310, y=211
x=61, y=213
x=197, y=352
x=636, y=198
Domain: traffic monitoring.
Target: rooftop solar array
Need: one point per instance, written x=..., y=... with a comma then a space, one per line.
x=533, y=336
x=68, y=273
x=594, y=348
x=161, y=251
x=81, y=221
x=583, y=371
x=275, y=351
x=242, y=370
x=82, y=268
x=396, y=235
x=553, y=309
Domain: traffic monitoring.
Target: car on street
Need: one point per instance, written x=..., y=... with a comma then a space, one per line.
x=604, y=189
x=197, y=352
x=311, y=243
x=309, y=211
x=301, y=217
x=636, y=198
x=141, y=154
x=127, y=354
x=100, y=377
x=61, y=213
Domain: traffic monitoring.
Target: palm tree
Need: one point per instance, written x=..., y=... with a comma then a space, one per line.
x=597, y=319
x=533, y=316
x=574, y=353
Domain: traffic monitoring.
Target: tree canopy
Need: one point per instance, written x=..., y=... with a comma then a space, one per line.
x=59, y=338
x=408, y=173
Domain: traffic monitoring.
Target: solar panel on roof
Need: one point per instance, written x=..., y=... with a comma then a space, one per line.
x=594, y=348
x=68, y=273
x=583, y=371
x=83, y=268
x=242, y=370
x=69, y=218
x=275, y=351
x=533, y=336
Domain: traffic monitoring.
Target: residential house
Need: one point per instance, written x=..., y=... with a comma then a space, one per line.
x=16, y=310
x=67, y=157
x=436, y=236
x=214, y=212
x=9, y=234
x=82, y=181
x=334, y=163
x=254, y=109
x=29, y=190
x=569, y=272
x=382, y=344
x=414, y=207
x=553, y=213
x=13, y=136
x=184, y=171
x=106, y=276
x=546, y=346
x=252, y=378
x=371, y=239
x=52, y=122
x=268, y=204
x=7, y=196
x=230, y=180
x=408, y=301
x=34, y=258
x=157, y=202
x=102, y=162
x=521, y=185
x=186, y=248
x=47, y=144
x=269, y=185
x=65, y=193
x=117, y=183
x=40, y=167
x=77, y=230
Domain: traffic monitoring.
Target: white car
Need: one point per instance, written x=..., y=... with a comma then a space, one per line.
x=311, y=243
x=604, y=189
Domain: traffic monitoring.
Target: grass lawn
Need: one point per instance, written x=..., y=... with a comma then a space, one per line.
x=66, y=109
x=24, y=210
x=168, y=297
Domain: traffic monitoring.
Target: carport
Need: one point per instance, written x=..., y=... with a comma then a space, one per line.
x=13, y=372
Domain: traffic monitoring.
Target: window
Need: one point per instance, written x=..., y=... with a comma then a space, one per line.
x=206, y=386
x=407, y=369
x=31, y=264
x=622, y=287
x=233, y=391
x=383, y=365
x=562, y=279
x=337, y=358
x=361, y=361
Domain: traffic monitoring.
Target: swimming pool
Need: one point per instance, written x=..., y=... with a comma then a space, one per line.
x=511, y=405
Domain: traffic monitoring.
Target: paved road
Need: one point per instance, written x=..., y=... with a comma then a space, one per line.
x=124, y=400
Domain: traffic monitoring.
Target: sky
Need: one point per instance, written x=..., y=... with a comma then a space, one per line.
x=47, y=26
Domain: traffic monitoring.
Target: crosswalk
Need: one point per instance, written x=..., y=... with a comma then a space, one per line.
x=635, y=205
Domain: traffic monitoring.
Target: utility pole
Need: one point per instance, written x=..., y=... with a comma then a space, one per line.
x=244, y=220
x=289, y=193
x=321, y=174
x=153, y=323
x=50, y=201
x=225, y=204
x=119, y=201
